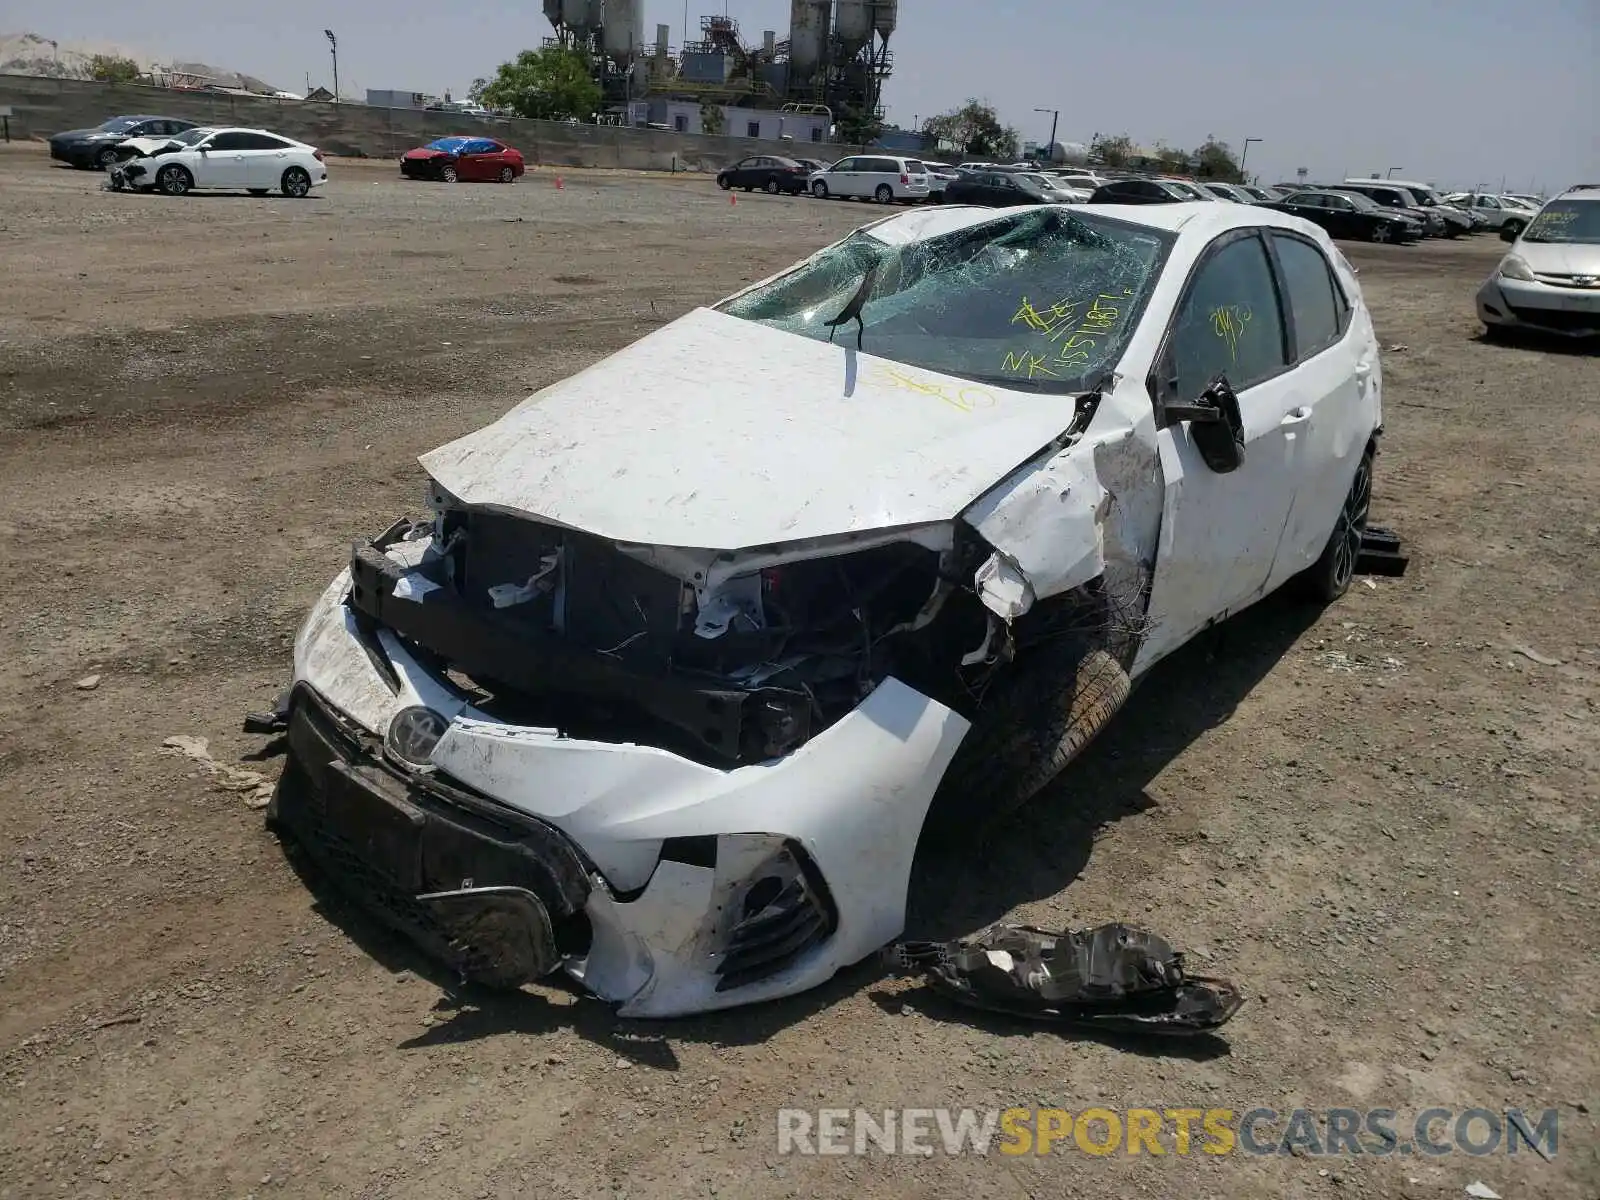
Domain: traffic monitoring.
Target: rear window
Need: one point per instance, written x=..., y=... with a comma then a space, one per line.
x=916, y=168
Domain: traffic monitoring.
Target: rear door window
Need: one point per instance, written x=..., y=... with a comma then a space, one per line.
x=1312, y=293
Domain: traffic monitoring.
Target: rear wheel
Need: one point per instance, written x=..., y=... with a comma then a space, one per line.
x=507, y=175
x=174, y=180
x=884, y=194
x=1329, y=577
x=448, y=173
x=296, y=183
x=819, y=190
x=1515, y=227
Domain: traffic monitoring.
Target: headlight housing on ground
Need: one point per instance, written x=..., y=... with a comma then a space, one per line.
x=1514, y=267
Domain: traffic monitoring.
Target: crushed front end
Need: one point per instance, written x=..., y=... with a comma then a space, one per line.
x=690, y=779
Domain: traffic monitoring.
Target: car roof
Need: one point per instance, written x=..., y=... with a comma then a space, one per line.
x=1202, y=218
x=1581, y=191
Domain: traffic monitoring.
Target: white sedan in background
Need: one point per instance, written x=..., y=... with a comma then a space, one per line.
x=693, y=643
x=211, y=159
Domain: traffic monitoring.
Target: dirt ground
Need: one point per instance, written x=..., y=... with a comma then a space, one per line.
x=1380, y=820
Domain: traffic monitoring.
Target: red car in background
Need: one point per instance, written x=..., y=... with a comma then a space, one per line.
x=465, y=158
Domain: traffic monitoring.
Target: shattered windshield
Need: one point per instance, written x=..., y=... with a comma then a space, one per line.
x=1042, y=300
x=1570, y=221
x=450, y=145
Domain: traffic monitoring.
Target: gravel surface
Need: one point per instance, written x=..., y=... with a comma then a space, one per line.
x=1379, y=819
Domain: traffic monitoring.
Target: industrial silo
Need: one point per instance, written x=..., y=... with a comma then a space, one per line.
x=852, y=25
x=575, y=14
x=623, y=22
x=808, y=32
x=552, y=12
x=885, y=15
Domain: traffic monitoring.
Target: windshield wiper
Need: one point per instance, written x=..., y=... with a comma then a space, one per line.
x=852, y=309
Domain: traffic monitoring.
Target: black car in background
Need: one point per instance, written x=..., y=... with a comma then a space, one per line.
x=97, y=147
x=1139, y=191
x=765, y=171
x=1397, y=199
x=1349, y=215
x=992, y=189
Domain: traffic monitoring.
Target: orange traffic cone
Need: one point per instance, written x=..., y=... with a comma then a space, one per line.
x=732, y=199
x=559, y=185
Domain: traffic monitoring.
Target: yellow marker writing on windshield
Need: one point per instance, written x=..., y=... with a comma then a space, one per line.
x=1228, y=322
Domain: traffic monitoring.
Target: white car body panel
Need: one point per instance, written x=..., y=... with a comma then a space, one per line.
x=726, y=452
x=229, y=169
x=717, y=434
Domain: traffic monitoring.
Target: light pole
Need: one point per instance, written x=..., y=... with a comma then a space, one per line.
x=1049, y=148
x=333, y=45
x=1392, y=170
x=1244, y=154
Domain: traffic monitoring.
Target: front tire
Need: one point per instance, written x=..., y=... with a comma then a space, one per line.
x=819, y=190
x=724, y=182
x=1038, y=721
x=507, y=175
x=884, y=194
x=296, y=183
x=1329, y=577
x=1516, y=227
x=174, y=180
x=1380, y=233
x=773, y=187
x=448, y=174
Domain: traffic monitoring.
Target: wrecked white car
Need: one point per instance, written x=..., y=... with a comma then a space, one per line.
x=694, y=643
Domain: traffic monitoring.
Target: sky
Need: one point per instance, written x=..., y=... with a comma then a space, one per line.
x=1464, y=93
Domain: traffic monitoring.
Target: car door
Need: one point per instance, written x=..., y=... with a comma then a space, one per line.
x=1220, y=531
x=837, y=177
x=1335, y=377
x=220, y=161
x=265, y=159
x=743, y=172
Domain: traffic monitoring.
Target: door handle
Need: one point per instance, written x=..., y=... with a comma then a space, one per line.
x=1295, y=415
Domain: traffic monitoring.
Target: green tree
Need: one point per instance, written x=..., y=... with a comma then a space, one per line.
x=857, y=127
x=1170, y=159
x=549, y=84
x=108, y=68
x=974, y=129
x=1217, y=162
x=710, y=117
x=1114, y=151
x=479, y=86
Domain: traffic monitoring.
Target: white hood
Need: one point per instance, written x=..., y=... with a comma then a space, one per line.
x=144, y=145
x=717, y=433
x=1560, y=258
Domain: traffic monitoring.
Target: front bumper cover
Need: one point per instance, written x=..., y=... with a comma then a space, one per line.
x=678, y=916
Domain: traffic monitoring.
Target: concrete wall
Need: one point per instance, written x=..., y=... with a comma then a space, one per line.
x=41, y=107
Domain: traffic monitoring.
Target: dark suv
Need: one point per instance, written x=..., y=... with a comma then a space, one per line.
x=1138, y=191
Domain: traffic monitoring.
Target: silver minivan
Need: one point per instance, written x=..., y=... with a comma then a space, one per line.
x=881, y=177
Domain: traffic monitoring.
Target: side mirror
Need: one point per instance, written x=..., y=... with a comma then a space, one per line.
x=1508, y=233
x=1215, y=424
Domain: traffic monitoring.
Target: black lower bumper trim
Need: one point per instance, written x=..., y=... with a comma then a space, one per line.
x=518, y=886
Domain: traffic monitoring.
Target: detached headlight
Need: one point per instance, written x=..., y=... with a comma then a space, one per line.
x=1514, y=267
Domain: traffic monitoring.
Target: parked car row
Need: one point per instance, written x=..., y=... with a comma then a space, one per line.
x=174, y=156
